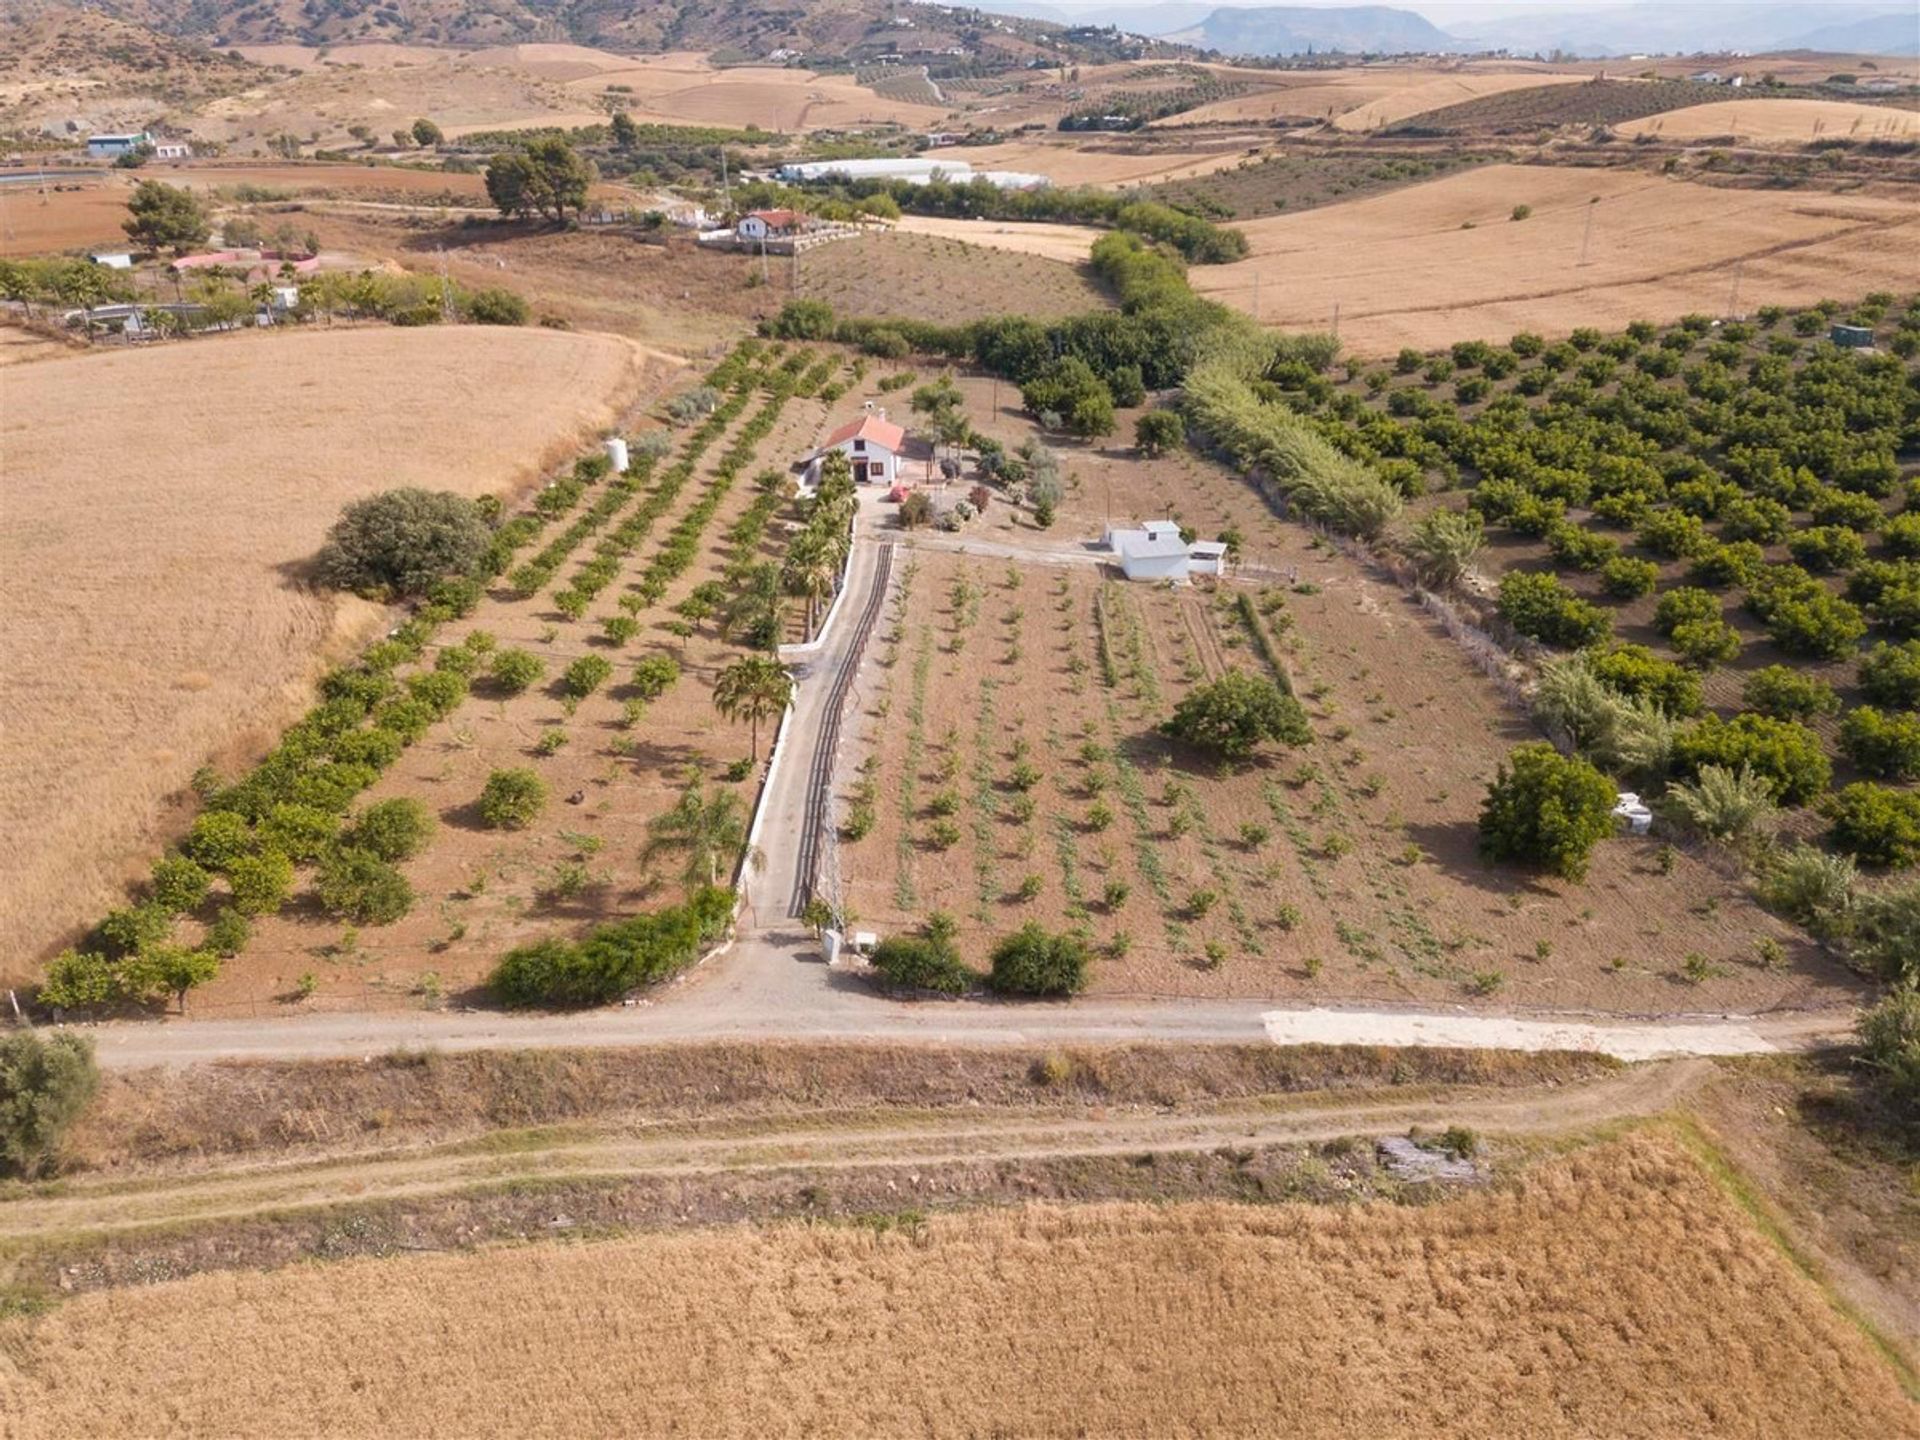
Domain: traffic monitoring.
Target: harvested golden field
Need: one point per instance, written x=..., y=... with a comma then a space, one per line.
x=1366, y=97
x=1781, y=120
x=949, y=282
x=1614, y=1291
x=23, y=347
x=1095, y=162
x=684, y=89
x=1444, y=261
x=1069, y=243
x=153, y=618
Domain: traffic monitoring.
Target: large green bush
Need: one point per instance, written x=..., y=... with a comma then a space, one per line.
x=1546, y=809
x=402, y=541
x=1236, y=713
x=45, y=1085
x=1543, y=609
x=260, y=883
x=1788, y=694
x=516, y=670
x=1033, y=962
x=1890, y=675
x=1879, y=825
x=1787, y=754
x=923, y=962
x=394, y=830
x=512, y=799
x=1882, y=743
x=1635, y=671
x=358, y=885
x=1890, y=1040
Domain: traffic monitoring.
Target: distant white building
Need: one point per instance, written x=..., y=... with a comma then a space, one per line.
x=109, y=147
x=112, y=259
x=757, y=225
x=172, y=150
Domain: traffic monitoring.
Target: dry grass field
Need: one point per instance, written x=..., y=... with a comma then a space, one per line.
x=1796, y=121
x=1616, y=1290
x=1366, y=97
x=1440, y=262
x=949, y=282
x=153, y=618
x=1068, y=243
x=680, y=88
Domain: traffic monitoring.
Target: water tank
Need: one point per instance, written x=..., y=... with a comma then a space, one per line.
x=616, y=449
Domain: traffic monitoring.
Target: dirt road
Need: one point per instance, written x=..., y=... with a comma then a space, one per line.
x=637, y=1147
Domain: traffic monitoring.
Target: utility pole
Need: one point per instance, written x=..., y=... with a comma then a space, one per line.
x=1586, y=236
x=1256, y=296
x=1733, y=299
x=446, y=290
x=1336, y=319
x=726, y=193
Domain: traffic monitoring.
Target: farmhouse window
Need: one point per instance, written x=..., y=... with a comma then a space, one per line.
x=859, y=447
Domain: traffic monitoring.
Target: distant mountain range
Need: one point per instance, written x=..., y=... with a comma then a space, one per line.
x=1687, y=27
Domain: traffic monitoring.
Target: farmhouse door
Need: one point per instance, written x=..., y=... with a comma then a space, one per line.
x=860, y=472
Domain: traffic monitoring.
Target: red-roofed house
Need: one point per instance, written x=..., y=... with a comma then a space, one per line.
x=758, y=225
x=872, y=444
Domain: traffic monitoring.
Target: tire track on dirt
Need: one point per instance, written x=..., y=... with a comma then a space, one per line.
x=826, y=1141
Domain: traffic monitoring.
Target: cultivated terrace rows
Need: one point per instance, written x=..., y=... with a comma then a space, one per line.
x=583, y=656
x=1014, y=774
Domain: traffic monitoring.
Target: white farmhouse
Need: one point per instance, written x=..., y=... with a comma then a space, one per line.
x=758, y=225
x=872, y=445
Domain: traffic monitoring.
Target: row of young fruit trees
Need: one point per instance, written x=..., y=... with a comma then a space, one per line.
x=296, y=817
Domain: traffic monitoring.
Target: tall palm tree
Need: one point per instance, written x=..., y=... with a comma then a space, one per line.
x=812, y=569
x=753, y=611
x=753, y=688
x=705, y=826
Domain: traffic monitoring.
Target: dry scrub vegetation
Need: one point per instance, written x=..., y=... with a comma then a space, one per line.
x=160, y=507
x=946, y=282
x=1616, y=1290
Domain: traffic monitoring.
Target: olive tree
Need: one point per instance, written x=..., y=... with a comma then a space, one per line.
x=402, y=541
x=1233, y=715
x=1546, y=809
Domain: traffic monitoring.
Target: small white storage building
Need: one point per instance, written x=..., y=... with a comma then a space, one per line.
x=1155, y=551
x=757, y=225
x=1207, y=557
x=872, y=445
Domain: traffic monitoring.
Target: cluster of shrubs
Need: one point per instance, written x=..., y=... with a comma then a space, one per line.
x=613, y=959
x=1032, y=961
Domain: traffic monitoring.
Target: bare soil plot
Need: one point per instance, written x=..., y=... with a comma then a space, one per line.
x=371, y=54
x=34, y=221
x=950, y=282
x=154, y=617
x=1781, y=120
x=1601, y=101
x=1069, y=243
x=1370, y=831
x=1443, y=261
x=1435, y=94
x=1618, y=1289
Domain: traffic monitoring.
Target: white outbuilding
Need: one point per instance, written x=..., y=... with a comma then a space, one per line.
x=1155, y=551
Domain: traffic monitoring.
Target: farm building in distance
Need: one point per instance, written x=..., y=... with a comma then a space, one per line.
x=1156, y=551
x=109, y=147
x=757, y=225
x=913, y=170
x=872, y=445
x=172, y=150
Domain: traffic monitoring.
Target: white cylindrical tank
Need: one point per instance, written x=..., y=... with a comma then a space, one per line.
x=617, y=453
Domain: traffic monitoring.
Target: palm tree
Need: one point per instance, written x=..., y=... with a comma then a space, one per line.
x=812, y=569
x=706, y=826
x=753, y=688
x=754, y=609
